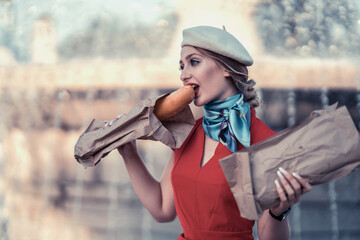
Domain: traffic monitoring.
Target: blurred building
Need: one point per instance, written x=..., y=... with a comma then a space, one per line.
x=43, y=44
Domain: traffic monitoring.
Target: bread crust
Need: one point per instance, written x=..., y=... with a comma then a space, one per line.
x=174, y=103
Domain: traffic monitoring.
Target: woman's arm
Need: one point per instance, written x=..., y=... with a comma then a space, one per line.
x=289, y=187
x=270, y=228
x=156, y=196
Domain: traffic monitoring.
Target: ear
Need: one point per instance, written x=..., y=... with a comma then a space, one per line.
x=226, y=73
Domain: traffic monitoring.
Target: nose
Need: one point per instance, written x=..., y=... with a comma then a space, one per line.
x=185, y=75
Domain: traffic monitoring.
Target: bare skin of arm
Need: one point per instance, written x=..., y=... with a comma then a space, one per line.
x=290, y=187
x=156, y=196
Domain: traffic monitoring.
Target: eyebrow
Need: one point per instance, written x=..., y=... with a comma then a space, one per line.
x=189, y=56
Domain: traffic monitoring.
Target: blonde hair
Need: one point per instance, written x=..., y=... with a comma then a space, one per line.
x=238, y=74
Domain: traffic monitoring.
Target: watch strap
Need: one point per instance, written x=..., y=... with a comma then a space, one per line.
x=282, y=216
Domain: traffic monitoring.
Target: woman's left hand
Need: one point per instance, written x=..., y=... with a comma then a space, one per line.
x=289, y=187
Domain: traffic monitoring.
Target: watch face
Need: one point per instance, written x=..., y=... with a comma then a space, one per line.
x=284, y=215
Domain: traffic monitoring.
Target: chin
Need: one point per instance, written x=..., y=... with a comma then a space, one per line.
x=199, y=103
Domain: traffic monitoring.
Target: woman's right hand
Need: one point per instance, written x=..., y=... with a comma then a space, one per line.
x=127, y=149
x=109, y=123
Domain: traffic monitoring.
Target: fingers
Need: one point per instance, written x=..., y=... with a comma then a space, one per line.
x=306, y=187
x=280, y=191
x=128, y=149
x=284, y=204
x=289, y=187
x=292, y=185
x=108, y=124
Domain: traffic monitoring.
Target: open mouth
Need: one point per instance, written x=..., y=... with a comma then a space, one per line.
x=195, y=87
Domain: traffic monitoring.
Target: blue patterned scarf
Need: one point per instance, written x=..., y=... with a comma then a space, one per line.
x=228, y=120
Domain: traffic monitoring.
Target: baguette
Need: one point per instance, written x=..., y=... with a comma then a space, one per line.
x=174, y=103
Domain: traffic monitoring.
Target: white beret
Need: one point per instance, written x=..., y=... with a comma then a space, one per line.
x=216, y=40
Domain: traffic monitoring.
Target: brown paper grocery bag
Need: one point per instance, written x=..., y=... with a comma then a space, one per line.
x=140, y=123
x=322, y=148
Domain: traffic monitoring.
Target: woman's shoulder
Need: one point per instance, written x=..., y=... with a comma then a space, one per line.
x=198, y=122
x=258, y=129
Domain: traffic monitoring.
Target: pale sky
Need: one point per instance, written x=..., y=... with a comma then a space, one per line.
x=73, y=15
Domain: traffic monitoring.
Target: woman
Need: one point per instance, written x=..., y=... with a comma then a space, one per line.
x=193, y=185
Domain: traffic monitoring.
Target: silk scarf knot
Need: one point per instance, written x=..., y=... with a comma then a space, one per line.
x=228, y=121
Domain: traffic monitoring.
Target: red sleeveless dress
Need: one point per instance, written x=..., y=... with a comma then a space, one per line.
x=204, y=202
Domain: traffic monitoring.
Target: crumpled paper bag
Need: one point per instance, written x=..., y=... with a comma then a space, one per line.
x=140, y=123
x=322, y=148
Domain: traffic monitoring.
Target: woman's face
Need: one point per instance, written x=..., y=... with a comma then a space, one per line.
x=208, y=78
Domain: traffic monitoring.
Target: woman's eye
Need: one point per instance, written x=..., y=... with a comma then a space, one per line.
x=194, y=62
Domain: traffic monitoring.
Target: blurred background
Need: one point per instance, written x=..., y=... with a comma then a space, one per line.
x=65, y=62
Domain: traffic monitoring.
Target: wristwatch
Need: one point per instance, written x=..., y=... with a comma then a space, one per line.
x=281, y=216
